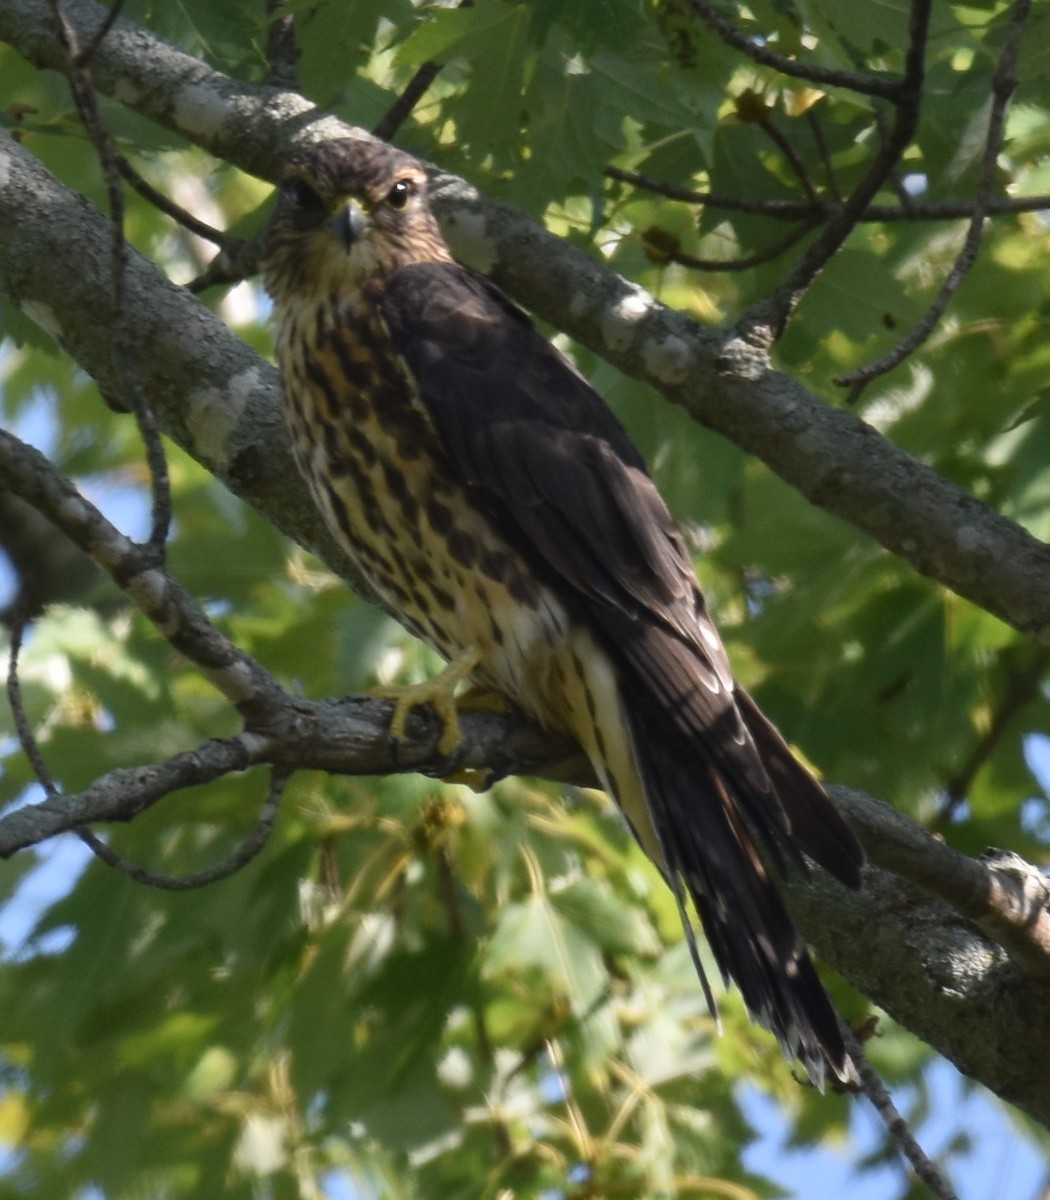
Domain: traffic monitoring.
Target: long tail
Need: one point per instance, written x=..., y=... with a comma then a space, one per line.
x=709, y=851
x=697, y=806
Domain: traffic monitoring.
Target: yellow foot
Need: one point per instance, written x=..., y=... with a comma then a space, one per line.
x=440, y=693
x=477, y=699
x=471, y=777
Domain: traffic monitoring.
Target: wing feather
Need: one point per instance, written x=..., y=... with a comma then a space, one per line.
x=523, y=425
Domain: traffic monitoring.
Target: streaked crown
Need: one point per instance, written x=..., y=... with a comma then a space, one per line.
x=347, y=209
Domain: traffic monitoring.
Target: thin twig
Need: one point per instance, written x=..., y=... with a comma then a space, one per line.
x=236, y=261
x=867, y=85
x=800, y=210
x=830, y=178
x=95, y=40
x=168, y=206
x=896, y=1126
x=398, y=113
x=123, y=353
x=741, y=264
x=894, y=179
x=1023, y=686
x=282, y=48
x=783, y=210
x=1004, y=83
x=232, y=863
x=791, y=154
x=24, y=729
x=766, y=321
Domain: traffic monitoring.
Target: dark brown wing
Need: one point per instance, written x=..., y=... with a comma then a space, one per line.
x=522, y=424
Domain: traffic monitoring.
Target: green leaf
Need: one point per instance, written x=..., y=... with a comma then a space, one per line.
x=534, y=936
x=596, y=911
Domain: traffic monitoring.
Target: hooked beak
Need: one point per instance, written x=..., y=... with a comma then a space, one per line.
x=350, y=222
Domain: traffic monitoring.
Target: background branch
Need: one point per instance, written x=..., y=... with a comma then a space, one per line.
x=778, y=209
x=1004, y=84
x=128, y=388
x=854, y=81
x=237, y=859
x=766, y=321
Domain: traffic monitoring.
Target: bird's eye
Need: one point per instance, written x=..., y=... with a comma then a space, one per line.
x=398, y=195
x=302, y=195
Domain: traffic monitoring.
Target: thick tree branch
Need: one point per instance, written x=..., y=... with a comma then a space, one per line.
x=1011, y=904
x=930, y=968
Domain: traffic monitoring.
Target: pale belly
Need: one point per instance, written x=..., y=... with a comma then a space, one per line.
x=437, y=561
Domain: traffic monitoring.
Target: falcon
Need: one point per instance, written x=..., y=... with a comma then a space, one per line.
x=494, y=503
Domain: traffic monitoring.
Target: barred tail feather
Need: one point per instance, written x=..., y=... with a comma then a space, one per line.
x=708, y=850
x=816, y=825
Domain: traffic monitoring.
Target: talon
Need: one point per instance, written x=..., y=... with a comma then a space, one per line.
x=440, y=693
x=393, y=744
x=449, y=768
x=477, y=781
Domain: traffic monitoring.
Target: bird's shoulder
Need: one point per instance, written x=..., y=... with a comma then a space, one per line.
x=520, y=422
x=471, y=346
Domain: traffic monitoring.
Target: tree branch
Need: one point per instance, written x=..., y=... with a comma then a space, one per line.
x=1004, y=84
x=219, y=401
x=896, y=1126
x=233, y=862
x=282, y=47
x=778, y=209
x=1012, y=906
x=766, y=321
x=282, y=732
x=928, y=966
x=173, y=612
x=128, y=389
x=854, y=81
x=915, y=956
x=1005, y=897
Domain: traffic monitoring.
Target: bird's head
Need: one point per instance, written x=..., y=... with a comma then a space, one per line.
x=347, y=209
